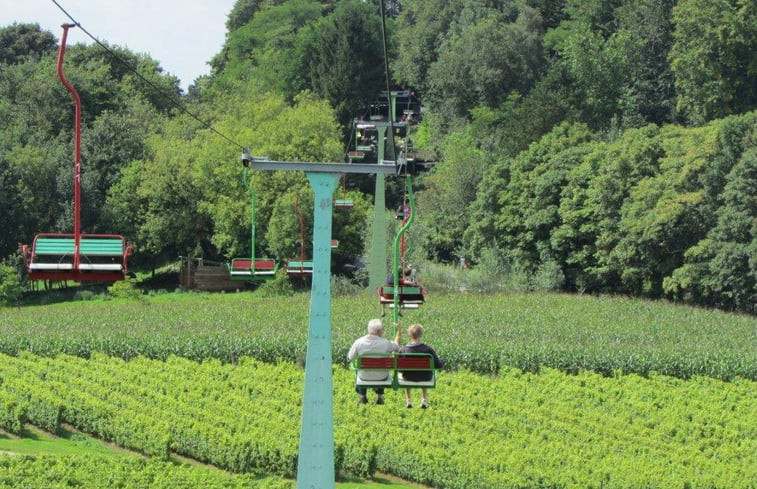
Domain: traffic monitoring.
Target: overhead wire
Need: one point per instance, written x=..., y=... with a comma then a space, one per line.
x=387, y=79
x=155, y=87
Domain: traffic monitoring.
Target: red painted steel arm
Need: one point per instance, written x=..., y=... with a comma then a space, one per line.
x=77, y=143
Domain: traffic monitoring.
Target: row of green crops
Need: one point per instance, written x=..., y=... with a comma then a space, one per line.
x=479, y=333
x=48, y=472
x=515, y=430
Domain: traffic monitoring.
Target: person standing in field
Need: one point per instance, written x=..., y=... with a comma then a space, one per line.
x=416, y=345
x=373, y=342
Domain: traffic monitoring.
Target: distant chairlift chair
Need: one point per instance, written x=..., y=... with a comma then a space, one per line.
x=251, y=269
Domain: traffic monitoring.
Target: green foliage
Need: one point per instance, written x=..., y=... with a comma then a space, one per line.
x=714, y=269
x=280, y=286
x=102, y=472
x=595, y=192
x=490, y=57
x=520, y=200
x=238, y=417
x=125, y=289
x=628, y=215
x=12, y=413
x=712, y=57
x=447, y=194
x=267, y=45
x=22, y=42
x=10, y=287
x=615, y=54
x=525, y=331
x=345, y=62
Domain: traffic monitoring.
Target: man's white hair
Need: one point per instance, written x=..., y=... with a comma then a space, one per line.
x=375, y=326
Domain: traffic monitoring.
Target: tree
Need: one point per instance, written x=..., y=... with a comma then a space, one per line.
x=615, y=55
x=666, y=213
x=517, y=202
x=23, y=42
x=421, y=29
x=266, y=48
x=448, y=192
x=591, y=202
x=242, y=12
x=345, y=58
x=721, y=269
x=486, y=61
x=112, y=141
x=29, y=181
x=712, y=57
x=646, y=31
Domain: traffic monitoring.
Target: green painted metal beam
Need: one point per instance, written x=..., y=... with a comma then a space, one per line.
x=397, y=244
x=378, y=262
x=315, y=464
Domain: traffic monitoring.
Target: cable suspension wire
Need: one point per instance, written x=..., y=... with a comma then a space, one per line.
x=155, y=87
x=387, y=79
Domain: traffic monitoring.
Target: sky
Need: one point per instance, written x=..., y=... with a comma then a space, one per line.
x=182, y=35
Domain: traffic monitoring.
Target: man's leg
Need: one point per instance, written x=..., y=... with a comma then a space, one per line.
x=361, y=392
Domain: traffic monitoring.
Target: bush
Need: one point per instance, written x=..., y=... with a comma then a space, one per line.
x=125, y=289
x=84, y=295
x=341, y=285
x=280, y=286
x=10, y=286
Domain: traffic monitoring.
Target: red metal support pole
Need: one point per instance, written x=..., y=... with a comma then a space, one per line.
x=77, y=144
x=302, y=229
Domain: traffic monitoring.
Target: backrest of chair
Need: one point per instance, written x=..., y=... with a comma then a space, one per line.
x=265, y=264
x=53, y=246
x=241, y=264
x=297, y=266
x=375, y=362
x=388, y=290
x=415, y=361
x=101, y=246
x=410, y=290
x=93, y=246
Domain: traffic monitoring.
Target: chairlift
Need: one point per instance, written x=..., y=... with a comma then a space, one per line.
x=251, y=269
x=302, y=267
x=398, y=367
x=402, y=294
x=344, y=202
x=76, y=256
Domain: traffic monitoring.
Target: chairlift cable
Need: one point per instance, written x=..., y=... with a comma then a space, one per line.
x=387, y=78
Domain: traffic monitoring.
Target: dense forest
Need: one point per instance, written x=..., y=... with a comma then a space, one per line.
x=597, y=146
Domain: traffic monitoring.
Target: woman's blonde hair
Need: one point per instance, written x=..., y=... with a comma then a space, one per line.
x=415, y=331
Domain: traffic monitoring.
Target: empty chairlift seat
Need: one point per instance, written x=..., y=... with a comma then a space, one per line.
x=247, y=269
x=99, y=258
x=300, y=268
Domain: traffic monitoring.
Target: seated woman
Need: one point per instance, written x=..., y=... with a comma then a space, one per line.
x=415, y=331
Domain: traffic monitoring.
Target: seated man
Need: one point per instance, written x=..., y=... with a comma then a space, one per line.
x=373, y=343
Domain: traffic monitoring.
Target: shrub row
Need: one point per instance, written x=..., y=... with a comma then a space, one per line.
x=515, y=430
x=99, y=472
